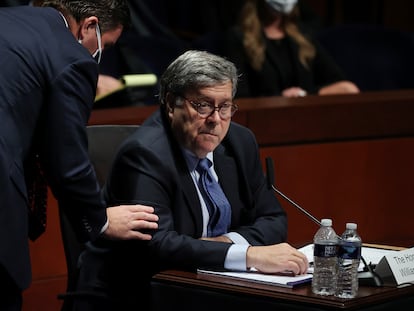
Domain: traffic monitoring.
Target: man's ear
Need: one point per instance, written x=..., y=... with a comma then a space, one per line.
x=88, y=27
x=170, y=102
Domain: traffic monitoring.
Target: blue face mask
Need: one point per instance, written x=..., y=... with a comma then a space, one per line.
x=283, y=6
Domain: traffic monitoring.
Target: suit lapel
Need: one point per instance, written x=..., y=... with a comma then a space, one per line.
x=184, y=179
x=227, y=173
x=190, y=195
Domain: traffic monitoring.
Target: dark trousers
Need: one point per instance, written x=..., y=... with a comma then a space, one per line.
x=10, y=295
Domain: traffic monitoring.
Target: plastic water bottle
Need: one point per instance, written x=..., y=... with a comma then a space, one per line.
x=349, y=256
x=325, y=259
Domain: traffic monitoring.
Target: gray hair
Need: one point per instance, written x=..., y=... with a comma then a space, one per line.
x=196, y=69
x=111, y=13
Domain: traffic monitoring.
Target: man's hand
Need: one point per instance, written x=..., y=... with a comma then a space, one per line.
x=126, y=221
x=277, y=258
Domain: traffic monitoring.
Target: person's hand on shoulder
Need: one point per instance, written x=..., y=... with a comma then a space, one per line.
x=130, y=222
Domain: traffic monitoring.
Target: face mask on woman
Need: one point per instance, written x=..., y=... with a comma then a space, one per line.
x=283, y=6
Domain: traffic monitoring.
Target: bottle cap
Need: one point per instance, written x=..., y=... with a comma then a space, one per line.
x=351, y=225
x=326, y=222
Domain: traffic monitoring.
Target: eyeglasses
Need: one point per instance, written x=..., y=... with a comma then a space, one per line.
x=206, y=109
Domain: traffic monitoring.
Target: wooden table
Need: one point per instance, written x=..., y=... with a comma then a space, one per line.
x=181, y=290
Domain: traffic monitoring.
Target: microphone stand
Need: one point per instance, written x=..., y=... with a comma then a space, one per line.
x=366, y=278
x=314, y=219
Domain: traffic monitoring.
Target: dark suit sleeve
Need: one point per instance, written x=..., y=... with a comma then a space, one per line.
x=266, y=221
x=233, y=49
x=325, y=69
x=65, y=148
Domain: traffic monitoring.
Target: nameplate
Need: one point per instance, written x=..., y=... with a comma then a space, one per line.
x=397, y=268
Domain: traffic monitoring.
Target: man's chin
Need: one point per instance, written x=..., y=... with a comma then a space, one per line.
x=205, y=148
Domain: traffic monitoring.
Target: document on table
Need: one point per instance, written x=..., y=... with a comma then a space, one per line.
x=255, y=276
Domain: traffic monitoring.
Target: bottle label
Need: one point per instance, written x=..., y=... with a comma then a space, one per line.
x=349, y=250
x=325, y=250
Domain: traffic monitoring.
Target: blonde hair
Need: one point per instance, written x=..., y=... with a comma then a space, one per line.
x=253, y=17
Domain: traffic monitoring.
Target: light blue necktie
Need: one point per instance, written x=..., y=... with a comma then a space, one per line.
x=215, y=199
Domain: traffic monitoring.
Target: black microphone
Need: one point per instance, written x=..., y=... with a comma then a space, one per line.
x=366, y=278
x=270, y=183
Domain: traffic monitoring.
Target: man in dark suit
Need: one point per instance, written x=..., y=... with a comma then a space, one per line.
x=47, y=88
x=158, y=165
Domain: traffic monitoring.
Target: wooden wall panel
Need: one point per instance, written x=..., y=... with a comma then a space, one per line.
x=367, y=182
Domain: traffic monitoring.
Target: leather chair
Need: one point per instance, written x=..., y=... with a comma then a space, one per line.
x=104, y=141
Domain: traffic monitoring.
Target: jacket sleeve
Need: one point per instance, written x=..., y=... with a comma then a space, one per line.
x=64, y=146
x=325, y=70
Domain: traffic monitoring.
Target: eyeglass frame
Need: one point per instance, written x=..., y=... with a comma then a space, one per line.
x=196, y=106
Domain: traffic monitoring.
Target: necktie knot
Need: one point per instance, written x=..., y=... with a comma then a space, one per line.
x=203, y=165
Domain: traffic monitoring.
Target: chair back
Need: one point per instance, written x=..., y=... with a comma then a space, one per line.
x=104, y=141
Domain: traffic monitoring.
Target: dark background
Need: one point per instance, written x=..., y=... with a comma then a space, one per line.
x=190, y=18
x=372, y=41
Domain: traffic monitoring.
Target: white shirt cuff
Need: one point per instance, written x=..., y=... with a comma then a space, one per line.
x=236, y=255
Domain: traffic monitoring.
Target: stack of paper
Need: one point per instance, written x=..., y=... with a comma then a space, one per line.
x=255, y=276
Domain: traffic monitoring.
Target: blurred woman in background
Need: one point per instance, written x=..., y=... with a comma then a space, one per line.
x=277, y=57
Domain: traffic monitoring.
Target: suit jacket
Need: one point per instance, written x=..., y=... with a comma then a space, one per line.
x=150, y=169
x=47, y=87
x=275, y=75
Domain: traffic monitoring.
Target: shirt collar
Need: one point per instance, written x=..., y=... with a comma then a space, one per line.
x=192, y=159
